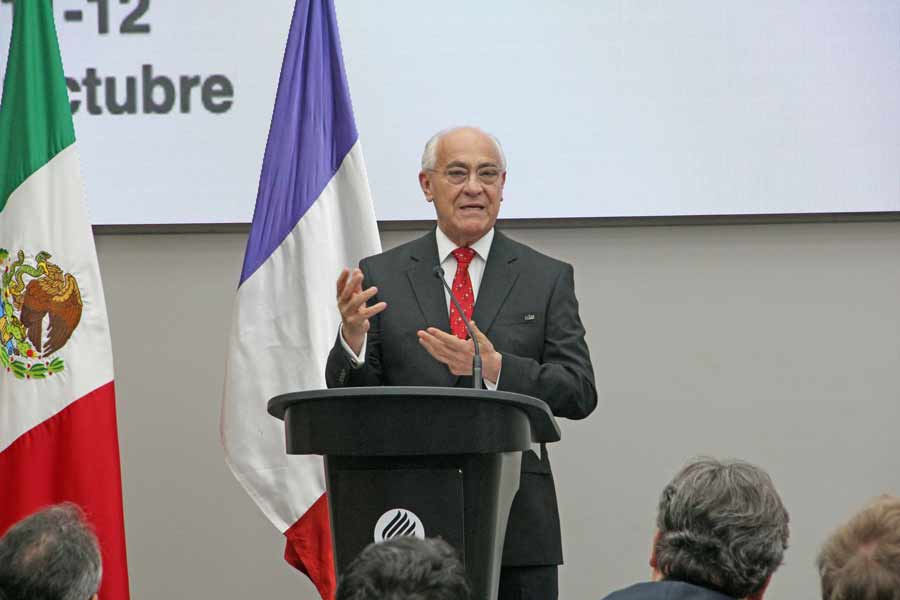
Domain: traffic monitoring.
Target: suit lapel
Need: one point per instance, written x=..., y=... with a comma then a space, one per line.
x=500, y=274
x=429, y=295
x=427, y=289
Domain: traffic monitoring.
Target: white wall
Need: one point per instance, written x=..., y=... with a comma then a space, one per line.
x=774, y=343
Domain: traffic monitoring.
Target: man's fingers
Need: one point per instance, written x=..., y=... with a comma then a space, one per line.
x=353, y=285
x=373, y=310
x=444, y=346
x=346, y=290
x=359, y=299
x=432, y=346
x=457, y=359
x=342, y=281
x=437, y=346
x=446, y=338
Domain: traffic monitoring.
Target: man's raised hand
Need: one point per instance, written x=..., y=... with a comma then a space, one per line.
x=351, y=302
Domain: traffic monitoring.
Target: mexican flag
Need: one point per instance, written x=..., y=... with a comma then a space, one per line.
x=58, y=439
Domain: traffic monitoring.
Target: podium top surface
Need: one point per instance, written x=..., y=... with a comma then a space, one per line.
x=355, y=420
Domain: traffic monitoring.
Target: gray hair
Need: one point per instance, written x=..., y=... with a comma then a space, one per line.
x=721, y=526
x=429, y=155
x=51, y=555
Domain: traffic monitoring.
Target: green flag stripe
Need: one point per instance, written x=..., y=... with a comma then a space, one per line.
x=35, y=120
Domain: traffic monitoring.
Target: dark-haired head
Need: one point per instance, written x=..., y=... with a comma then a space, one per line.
x=721, y=525
x=405, y=568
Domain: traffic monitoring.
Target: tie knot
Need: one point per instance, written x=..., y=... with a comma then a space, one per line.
x=463, y=256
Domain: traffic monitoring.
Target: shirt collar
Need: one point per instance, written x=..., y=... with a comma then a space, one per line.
x=482, y=247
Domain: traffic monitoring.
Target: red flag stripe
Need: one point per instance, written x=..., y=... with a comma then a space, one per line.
x=308, y=547
x=73, y=456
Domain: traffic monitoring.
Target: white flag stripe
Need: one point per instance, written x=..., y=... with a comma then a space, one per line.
x=47, y=213
x=285, y=322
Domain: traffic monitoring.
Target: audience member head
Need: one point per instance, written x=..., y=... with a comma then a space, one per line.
x=405, y=568
x=861, y=560
x=51, y=555
x=722, y=526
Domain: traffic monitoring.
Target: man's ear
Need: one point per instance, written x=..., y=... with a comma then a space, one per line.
x=759, y=595
x=655, y=574
x=425, y=184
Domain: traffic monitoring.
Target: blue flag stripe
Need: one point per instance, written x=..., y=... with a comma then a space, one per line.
x=312, y=130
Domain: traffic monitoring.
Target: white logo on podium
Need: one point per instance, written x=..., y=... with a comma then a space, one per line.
x=397, y=522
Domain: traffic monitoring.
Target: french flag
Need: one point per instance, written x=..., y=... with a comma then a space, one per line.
x=313, y=216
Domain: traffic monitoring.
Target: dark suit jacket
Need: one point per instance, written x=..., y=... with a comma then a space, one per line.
x=666, y=590
x=526, y=306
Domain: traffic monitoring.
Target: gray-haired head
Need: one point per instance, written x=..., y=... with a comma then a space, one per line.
x=405, y=568
x=51, y=555
x=429, y=154
x=721, y=526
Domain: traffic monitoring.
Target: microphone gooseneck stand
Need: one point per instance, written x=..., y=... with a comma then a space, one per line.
x=477, y=381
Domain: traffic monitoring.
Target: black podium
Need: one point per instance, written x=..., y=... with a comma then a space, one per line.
x=420, y=461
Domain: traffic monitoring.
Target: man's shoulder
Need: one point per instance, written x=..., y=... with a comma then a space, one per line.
x=503, y=246
x=666, y=590
x=418, y=248
x=527, y=254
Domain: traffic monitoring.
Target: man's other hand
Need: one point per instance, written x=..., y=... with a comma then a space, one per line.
x=457, y=354
x=351, y=302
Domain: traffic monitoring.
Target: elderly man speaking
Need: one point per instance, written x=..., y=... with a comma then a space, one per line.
x=398, y=328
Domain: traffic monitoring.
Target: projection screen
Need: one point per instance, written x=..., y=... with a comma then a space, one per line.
x=605, y=108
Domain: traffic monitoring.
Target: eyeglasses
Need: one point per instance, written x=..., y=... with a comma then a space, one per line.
x=458, y=175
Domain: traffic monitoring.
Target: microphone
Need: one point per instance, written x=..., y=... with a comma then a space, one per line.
x=477, y=382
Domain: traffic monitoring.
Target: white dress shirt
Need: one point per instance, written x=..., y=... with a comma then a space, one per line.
x=445, y=249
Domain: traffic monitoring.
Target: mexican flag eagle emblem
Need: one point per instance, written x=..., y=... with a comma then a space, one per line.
x=41, y=309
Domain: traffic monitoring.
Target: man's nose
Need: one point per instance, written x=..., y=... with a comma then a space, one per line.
x=473, y=185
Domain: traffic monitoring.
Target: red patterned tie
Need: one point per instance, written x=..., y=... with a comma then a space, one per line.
x=462, y=287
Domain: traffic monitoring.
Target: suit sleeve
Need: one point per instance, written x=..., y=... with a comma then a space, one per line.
x=340, y=369
x=564, y=377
